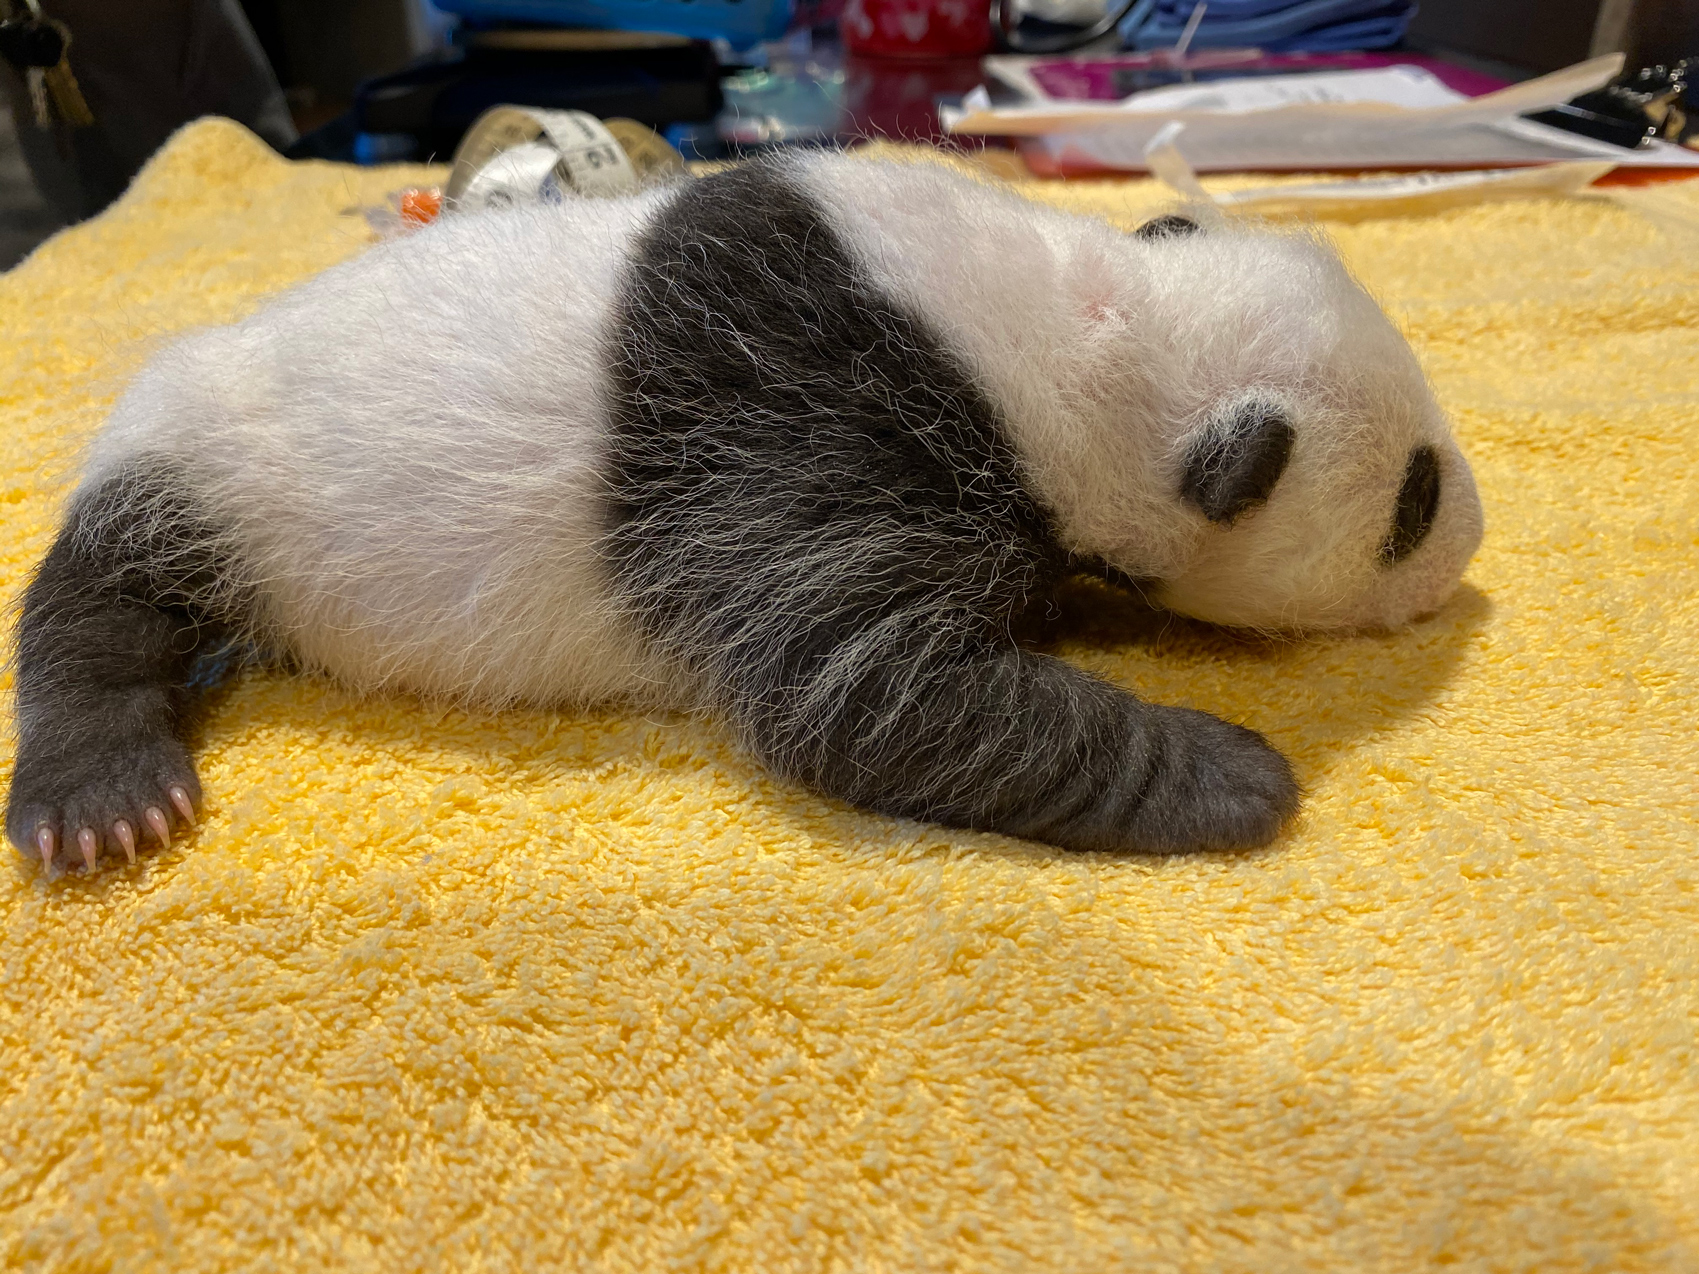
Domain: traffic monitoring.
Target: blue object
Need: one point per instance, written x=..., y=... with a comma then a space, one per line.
x=1278, y=26
x=384, y=148
x=740, y=23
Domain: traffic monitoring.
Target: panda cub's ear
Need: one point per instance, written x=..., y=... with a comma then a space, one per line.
x=1171, y=226
x=1235, y=461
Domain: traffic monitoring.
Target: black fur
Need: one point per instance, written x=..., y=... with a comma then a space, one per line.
x=817, y=510
x=1170, y=226
x=109, y=631
x=1418, y=504
x=1234, y=465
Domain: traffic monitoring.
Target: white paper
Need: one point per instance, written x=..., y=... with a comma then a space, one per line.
x=1359, y=97
x=1410, y=87
x=1404, y=193
x=1273, y=148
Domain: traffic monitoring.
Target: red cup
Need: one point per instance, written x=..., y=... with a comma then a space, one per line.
x=916, y=28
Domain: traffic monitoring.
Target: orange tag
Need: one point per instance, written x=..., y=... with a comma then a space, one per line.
x=420, y=205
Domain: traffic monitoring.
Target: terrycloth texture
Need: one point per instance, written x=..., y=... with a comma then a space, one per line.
x=434, y=990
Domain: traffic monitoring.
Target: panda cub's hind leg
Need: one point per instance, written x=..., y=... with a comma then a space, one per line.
x=132, y=590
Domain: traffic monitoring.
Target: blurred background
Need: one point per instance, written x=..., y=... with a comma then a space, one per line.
x=91, y=88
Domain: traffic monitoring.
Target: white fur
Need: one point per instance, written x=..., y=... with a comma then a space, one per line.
x=405, y=448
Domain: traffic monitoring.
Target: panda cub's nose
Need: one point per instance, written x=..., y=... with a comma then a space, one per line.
x=1418, y=503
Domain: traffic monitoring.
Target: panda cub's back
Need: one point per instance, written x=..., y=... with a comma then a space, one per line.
x=404, y=454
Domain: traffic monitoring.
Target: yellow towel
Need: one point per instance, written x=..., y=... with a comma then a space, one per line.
x=438, y=990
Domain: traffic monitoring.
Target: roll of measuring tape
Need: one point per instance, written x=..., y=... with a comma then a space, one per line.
x=523, y=155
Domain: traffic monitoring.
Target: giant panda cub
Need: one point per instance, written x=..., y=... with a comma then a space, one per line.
x=796, y=444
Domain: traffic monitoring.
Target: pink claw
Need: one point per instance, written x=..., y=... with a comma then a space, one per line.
x=44, y=842
x=126, y=837
x=156, y=820
x=86, y=843
x=185, y=806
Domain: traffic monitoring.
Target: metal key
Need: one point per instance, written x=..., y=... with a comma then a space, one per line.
x=39, y=47
x=62, y=84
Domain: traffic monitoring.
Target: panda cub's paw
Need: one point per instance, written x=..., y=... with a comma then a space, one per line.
x=1195, y=782
x=76, y=805
x=1211, y=785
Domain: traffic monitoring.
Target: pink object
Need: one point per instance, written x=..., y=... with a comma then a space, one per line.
x=897, y=98
x=916, y=28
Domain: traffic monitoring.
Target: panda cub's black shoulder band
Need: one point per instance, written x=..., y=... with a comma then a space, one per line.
x=814, y=449
x=814, y=507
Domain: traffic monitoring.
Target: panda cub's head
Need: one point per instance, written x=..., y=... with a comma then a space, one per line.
x=1317, y=482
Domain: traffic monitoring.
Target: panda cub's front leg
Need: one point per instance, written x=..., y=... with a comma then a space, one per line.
x=989, y=736
x=866, y=650
x=110, y=626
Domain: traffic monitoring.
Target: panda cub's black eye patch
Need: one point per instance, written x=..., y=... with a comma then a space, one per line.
x=1172, y=226
x=1235, y=463
x=1418, y=502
